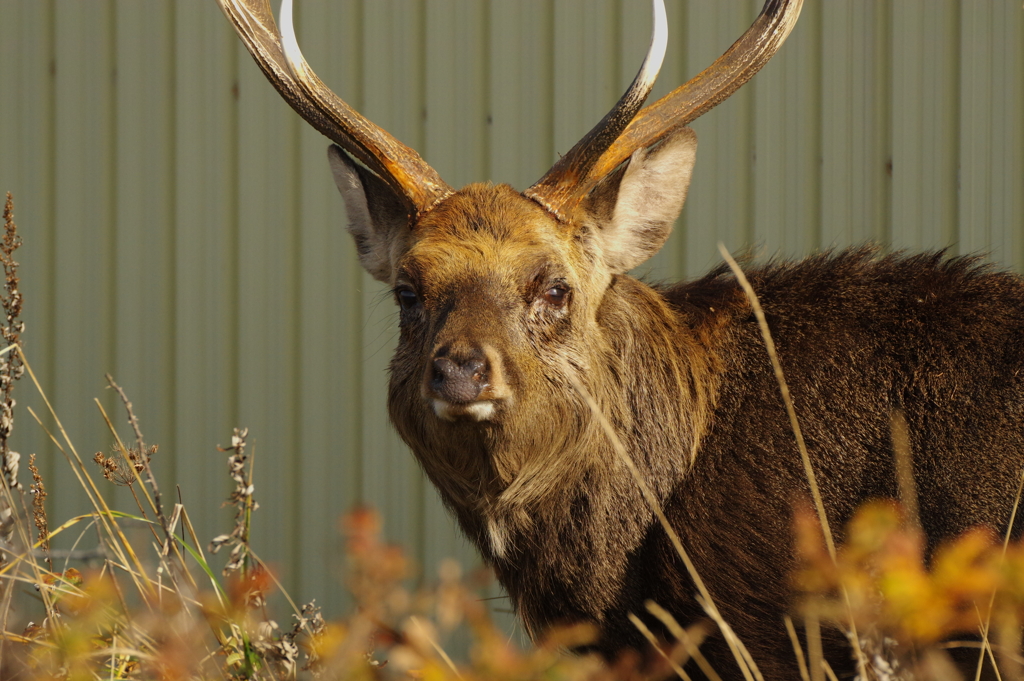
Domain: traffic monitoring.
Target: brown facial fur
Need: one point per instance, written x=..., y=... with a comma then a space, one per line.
x=480, y=264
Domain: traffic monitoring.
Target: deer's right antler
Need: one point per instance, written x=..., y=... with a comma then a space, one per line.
x=586, y=164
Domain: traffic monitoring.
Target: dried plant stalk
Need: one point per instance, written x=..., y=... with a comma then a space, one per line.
x=38, y=490
x=241, y=499
x=11, y=369
x=144, y=454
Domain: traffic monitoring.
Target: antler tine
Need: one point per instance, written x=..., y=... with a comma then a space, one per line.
x=279, y=57
x=558, y=184
x=683, y=105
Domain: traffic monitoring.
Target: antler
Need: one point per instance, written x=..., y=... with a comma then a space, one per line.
x=281, y=61
x=579, y=160
x=579, y=171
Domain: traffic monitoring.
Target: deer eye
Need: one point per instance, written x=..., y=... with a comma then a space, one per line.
x=555, y=296
x=407, y=298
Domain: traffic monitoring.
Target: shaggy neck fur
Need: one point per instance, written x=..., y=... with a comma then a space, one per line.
x=549, y=470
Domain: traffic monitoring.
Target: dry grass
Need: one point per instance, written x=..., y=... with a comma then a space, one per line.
x=165, y=612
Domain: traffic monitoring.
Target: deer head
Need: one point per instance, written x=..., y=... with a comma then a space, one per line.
x=503, y=293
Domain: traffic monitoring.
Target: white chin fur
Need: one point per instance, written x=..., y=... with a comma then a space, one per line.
x=477, y=411
x=499, y=542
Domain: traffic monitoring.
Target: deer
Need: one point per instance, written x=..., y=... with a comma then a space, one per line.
x=533, y=371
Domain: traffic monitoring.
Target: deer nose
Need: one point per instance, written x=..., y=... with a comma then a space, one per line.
x=459, y=381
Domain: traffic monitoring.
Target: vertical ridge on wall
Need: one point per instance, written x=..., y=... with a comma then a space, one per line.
x=206, y=237
x=266, y=285
x=976, y=97
x=855, y=151
x=924, y=122
x=719, y=205
x=28, y=170
x=393, y=99
x=456, y=139
x=522, y=84
x=329, y=446
x=143, y=241
x=991, y=147
x=787, y=188
x=84, y=195
x=585, y=68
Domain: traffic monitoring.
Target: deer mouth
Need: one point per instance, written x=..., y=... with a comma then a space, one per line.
x=479, y=410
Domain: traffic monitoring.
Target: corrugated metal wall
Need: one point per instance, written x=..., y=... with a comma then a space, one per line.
x=182, y=231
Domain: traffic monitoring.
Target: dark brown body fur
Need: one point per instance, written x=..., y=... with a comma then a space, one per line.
x=859, y=336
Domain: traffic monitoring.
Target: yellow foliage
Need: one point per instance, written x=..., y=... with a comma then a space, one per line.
x=894, y=586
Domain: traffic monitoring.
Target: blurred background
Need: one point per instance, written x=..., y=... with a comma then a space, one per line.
x=183, y=233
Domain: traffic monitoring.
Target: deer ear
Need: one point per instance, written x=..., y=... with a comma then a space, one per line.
x=377, y=218
x=632, y=210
